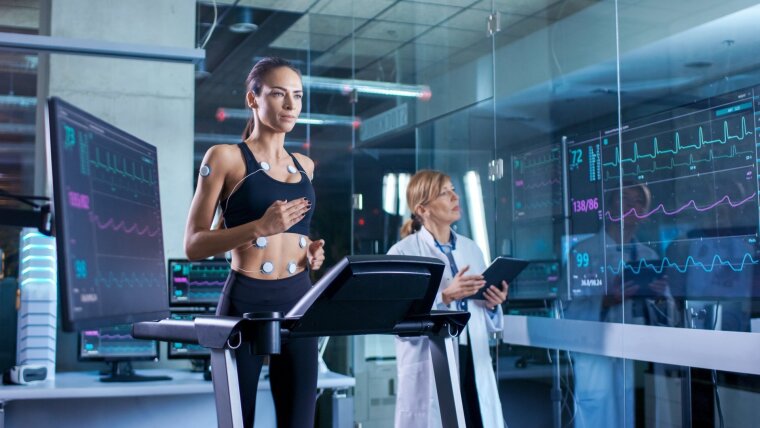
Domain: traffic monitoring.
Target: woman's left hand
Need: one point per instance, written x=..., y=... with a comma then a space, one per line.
x=494, y=296
x=315, y=254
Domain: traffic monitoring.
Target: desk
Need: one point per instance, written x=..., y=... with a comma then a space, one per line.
x=80, y=399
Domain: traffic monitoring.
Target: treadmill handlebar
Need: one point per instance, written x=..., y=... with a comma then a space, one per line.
x=216, y=331
x=207, y=331
x=437, y=323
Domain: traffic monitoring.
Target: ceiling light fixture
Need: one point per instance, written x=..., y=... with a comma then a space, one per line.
x=244, y=22
x=347, y=86
x=200, y=70
x=223, y=114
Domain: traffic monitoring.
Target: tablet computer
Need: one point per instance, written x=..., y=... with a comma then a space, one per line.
x=501, y=269
x=644, y=278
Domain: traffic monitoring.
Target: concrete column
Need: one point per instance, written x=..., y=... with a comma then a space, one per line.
x=150, y=99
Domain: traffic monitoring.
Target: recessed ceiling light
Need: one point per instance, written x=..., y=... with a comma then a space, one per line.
x=244, y=24
x=243, y=27
x=200, y=70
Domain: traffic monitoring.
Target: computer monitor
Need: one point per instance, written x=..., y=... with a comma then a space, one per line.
x=540, y=280
x=115, y=343
x=190, y=351
x=107, y=221
x=198, y=282
x=116, y=346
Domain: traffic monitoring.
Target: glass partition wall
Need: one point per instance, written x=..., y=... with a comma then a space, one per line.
x=612, y=144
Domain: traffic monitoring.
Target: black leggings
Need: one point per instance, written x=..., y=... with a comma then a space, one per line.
x=292, y=373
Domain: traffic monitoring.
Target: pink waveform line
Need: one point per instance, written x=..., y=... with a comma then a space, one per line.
x=690, y=203
x=207, y=283
x=122, y=226
x=180, y=279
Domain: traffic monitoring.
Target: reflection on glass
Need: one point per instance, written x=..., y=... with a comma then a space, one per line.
x=403, y=183
x=675, y=195
x=476, y=213
x=390, y=193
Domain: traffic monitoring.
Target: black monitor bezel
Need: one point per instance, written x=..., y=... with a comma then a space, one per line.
x=103, y=358
x=193, y=303
x=70, y=322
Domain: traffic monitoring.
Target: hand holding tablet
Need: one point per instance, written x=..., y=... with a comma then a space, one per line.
x=501, y=269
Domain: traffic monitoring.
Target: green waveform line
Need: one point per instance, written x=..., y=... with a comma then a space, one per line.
x=111, y=166
x=710, y=157
x=553, y=157
x=678, y=147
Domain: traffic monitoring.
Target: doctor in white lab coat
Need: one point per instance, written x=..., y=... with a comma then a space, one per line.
x=435, y=207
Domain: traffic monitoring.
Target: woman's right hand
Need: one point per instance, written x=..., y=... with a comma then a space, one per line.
x=462, y=286
x=282, y=215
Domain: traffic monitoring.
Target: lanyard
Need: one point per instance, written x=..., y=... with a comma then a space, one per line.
x=448, y=250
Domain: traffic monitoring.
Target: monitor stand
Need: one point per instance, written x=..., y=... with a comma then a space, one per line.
x=202, y=365
x=122, y=371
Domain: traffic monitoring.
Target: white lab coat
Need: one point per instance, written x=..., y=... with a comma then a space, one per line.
x=417, y=399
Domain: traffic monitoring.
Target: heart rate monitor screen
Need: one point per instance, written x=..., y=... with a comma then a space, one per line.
x=107, y=219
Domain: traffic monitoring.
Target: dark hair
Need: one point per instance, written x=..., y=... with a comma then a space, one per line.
x=255, y=79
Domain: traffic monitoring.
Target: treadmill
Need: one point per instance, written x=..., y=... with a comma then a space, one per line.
x=359, y=295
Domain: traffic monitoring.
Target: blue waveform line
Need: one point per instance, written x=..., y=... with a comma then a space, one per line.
x=191, y=294
x=117, y=348
x=541, y=204
x=678, y=147
x=666, y=263
x=673, y=164
x=131, y=279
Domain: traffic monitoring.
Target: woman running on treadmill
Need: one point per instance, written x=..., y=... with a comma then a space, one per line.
x=266, y=199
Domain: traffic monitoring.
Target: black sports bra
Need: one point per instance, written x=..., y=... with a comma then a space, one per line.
x=258, y=191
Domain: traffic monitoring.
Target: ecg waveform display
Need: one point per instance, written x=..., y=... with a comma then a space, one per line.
x=536, y=184
x=693, y=144
x=108, y=220
x=188, y=350
x=537, y=211
x=199, y=282
x=680, y=190
x=539, y=280
x=115, y=342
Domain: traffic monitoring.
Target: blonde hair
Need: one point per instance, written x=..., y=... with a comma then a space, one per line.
x=424, y=186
